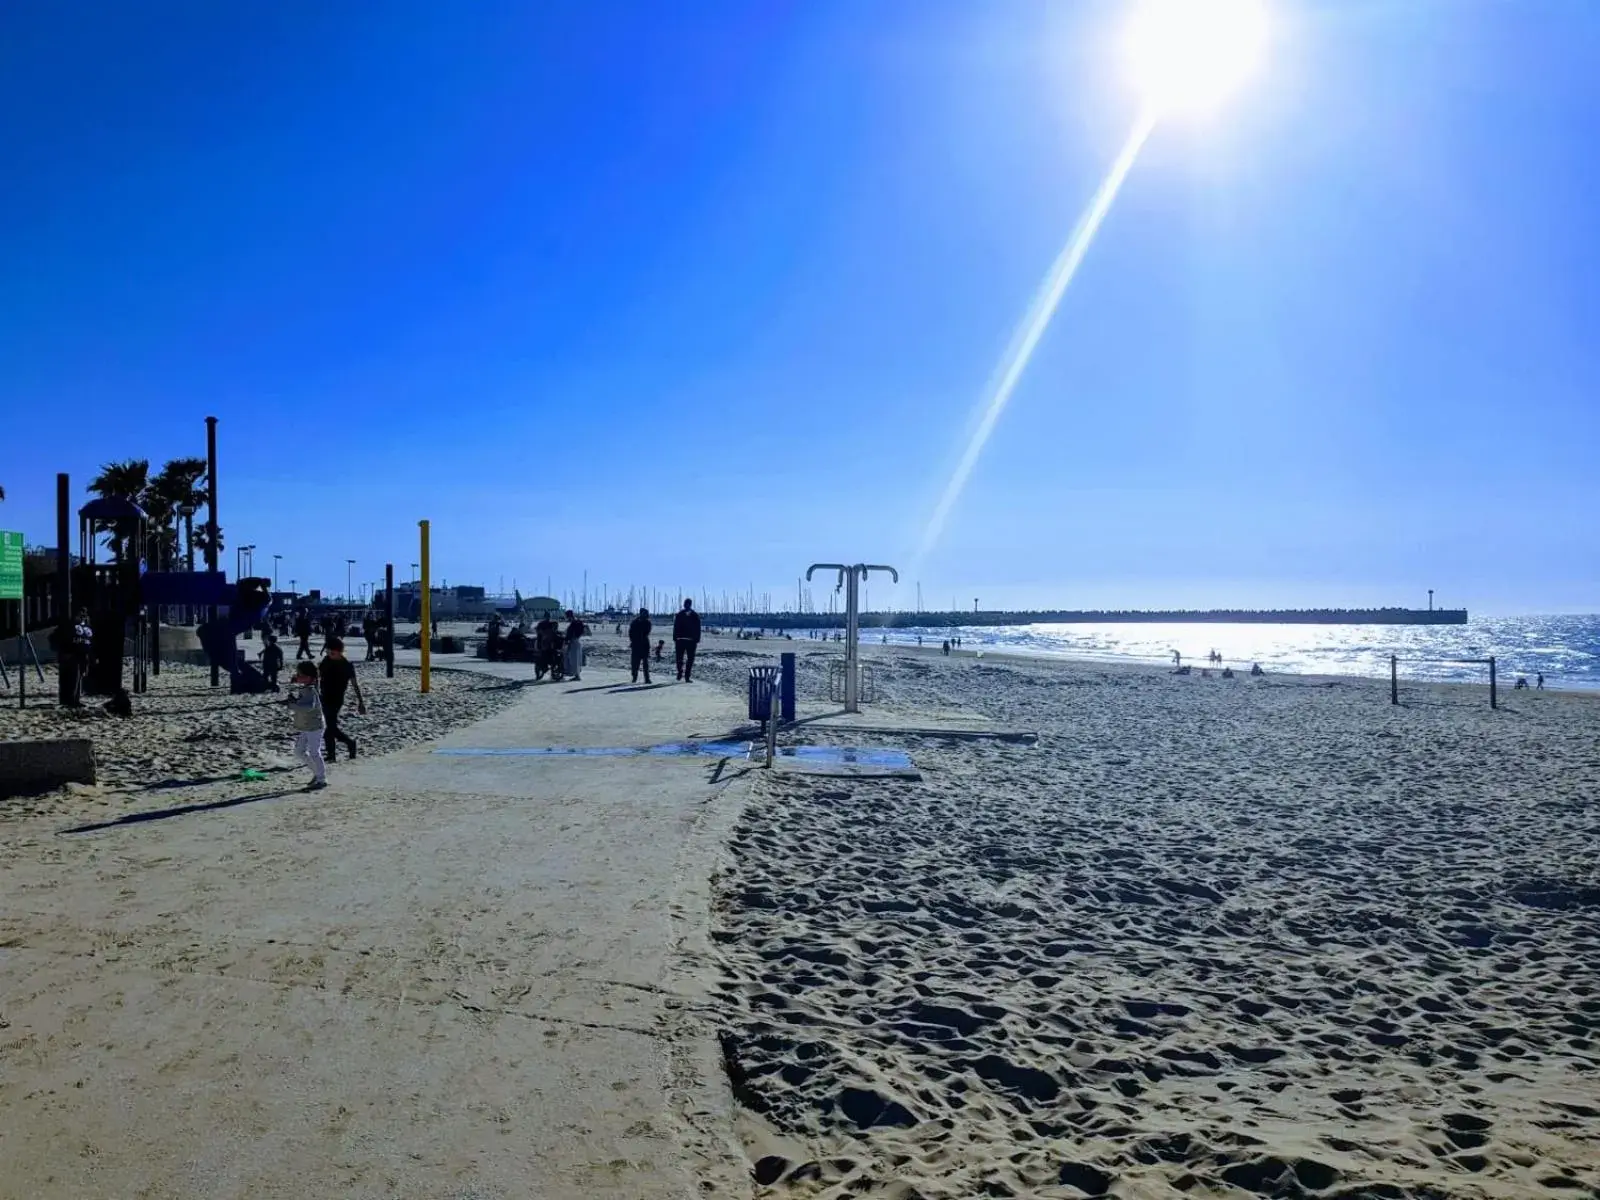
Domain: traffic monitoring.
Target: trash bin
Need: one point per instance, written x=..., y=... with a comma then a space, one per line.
x=763, y=687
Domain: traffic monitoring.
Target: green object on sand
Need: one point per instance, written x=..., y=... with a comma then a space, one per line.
x=251, y=775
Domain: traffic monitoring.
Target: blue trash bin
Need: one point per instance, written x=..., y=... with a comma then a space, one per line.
x=763, y=687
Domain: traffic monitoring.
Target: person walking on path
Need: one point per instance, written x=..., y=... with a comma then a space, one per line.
x=306, y=709
x=639, y=645
x=338, y=676
x=686, y=637
x=302, y=630
x=573, y=654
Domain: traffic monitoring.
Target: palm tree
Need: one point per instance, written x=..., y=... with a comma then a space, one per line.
x=177, y=484
x=128, y=480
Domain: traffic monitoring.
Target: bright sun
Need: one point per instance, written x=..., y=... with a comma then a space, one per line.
x=1187, y=56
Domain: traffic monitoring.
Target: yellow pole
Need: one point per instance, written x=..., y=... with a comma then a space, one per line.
x=427, y=611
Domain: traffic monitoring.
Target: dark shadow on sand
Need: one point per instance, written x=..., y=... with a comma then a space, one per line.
x=161, y=814
x=637, y=687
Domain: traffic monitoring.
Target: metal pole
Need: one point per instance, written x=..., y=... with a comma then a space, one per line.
x=63, y=585
x=1494, y=699
x=427, y=611
x=852, y=636
x=275, y=559
x=773, y=704
x=1394, y=679
x=388, y=620
x=211, y=524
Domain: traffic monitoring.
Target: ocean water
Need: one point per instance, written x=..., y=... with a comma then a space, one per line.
x=1565, y=648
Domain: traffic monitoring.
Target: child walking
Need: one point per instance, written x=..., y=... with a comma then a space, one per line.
x=272, y=661
x=306, y=706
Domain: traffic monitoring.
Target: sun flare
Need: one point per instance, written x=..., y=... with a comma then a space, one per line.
x=1187, y=56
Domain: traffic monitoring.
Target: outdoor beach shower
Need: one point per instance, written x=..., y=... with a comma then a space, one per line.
x=850, y=579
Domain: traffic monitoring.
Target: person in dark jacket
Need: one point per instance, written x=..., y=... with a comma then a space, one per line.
x=336, y=677
x=302, y=630
x=639, y=645
x=686, y=636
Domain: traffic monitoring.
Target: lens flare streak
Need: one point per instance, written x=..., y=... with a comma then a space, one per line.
x=1026, y=339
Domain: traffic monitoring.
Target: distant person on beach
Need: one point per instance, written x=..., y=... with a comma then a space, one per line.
x=686, y=638
x=573, y=654
x=306, y=708
x=302, y=630
x=369, y=633
x=661, y=649
x=338, y=675
x=1540, y=682
x=639, y=645
x=947, y=647
x=435, y=624
x=272, y=661
x=1255, y=669
x=491, y=645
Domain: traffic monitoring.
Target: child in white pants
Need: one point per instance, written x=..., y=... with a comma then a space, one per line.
x=306, y=707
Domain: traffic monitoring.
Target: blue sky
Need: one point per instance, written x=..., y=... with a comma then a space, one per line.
x=590, y=284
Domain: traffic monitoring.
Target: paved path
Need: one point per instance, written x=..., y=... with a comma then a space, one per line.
x=441, y=977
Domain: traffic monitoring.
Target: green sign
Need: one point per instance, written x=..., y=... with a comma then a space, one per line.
x=10, y=566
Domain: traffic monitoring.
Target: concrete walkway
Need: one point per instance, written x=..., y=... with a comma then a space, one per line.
x=441, y=977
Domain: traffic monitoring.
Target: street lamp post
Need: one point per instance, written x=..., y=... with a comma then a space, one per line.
x=276, y=558
x=349, y=574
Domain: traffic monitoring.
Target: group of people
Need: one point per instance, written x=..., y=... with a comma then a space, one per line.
x=373, y=631
x=685, y=639
x=315, y=700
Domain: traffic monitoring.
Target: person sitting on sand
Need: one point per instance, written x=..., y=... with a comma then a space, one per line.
x=1255, y=669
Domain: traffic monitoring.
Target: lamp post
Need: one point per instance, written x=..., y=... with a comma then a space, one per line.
x=349, y=574
x=276, y=558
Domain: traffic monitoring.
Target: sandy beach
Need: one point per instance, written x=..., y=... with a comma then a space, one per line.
x=1205, y=937
x=1208, y=938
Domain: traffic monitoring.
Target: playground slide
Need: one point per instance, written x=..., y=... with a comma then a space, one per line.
x=247, y=607
x=246, y=604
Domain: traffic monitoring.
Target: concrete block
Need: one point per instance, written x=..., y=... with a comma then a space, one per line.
x=37, y=766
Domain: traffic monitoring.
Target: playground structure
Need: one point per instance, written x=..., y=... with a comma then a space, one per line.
x=124, y=603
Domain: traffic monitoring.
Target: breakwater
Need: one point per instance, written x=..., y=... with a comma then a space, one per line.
x=1217, y=616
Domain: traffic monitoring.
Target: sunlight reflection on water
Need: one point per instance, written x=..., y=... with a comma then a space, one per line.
x=1565, y=648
